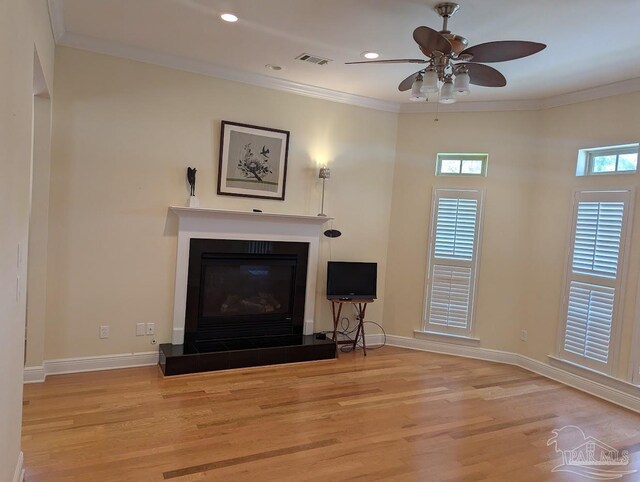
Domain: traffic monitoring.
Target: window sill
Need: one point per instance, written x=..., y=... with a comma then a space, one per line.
x=591, y=374
x=448, y=337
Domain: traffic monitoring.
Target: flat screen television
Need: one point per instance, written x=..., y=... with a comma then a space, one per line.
x=351, y=280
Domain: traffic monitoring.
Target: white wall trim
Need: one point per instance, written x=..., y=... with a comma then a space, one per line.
x=56, y=17
x=148, y=56
x=89, y=364
x=622, y=393
x=34, y=374
x=18, y=474
x=224, y=224
x=470, y=106
x=599, y=92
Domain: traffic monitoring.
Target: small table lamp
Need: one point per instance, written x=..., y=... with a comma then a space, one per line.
x=324, y=174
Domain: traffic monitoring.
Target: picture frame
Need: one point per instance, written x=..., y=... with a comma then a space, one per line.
x=253, y=161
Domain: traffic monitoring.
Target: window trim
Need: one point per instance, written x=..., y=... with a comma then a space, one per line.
x=470, y=332
x=621, y=280
x=462, y=156
x=634, y=364
x=584, y=166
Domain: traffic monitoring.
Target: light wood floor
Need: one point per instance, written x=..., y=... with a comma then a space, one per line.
x=396, y=415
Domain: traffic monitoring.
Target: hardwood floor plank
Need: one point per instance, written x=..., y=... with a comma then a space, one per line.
x=396, y=415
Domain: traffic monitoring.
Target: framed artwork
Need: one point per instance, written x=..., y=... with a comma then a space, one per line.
x=253, y=161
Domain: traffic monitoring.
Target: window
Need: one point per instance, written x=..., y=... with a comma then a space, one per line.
x=452, y=267
x=594, y=279
x=461, y=164
x=608, y=160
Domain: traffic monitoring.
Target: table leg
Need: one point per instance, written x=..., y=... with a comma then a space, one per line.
x=336, y=320
x=363, y=309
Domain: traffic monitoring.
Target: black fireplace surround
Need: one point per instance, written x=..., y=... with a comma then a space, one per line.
x=245, y=307
x=240, y=289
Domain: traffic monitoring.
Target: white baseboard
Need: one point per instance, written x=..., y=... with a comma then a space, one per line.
x=89, y=364
x=34, y=374
x=18, y=474
x=629, y=398
x=111, y=362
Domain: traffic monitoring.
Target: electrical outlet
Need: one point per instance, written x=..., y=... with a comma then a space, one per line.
x=151, y=328
x=523, y=335
x=104, y=331
x=140, y=329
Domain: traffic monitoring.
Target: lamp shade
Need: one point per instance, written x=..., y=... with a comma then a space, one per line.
x=446, y=94
x=461, y=84
x=416, y=90
x=431, y=82
x=325, y=173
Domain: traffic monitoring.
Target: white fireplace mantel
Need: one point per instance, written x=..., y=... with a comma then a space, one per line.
x=223, y=224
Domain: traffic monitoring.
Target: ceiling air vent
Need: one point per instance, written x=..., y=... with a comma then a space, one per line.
x=314, y=59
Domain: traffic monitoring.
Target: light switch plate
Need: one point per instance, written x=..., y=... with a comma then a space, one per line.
x=141, y=329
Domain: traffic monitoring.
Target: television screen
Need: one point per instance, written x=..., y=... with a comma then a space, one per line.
x=348, y=280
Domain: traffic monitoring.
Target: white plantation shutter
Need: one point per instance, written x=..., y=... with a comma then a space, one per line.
x=456, y=228
x=589, y=321
x=452, y=261
x=597, y=240
x=450, y=296
x=594, y=279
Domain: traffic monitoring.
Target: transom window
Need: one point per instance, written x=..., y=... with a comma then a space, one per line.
x=469, y=164
x=608, y=160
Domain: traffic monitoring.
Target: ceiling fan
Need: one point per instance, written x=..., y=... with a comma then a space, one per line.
x=452, y=63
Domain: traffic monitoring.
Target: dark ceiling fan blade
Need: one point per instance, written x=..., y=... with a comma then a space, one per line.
x=483, y=75
x=502, y=51
x=390, y=61
x=408, y=82
x=431, y=41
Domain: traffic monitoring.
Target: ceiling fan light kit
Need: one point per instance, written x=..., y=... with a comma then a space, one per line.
x=451, y=65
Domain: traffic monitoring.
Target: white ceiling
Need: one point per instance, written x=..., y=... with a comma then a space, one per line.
x=590, y=42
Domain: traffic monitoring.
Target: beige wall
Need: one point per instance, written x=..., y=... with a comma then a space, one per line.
x=124, y=133
x=38, y=232
x=531, y=178
x=510, y=139
x=23, y=24
x=603, y=122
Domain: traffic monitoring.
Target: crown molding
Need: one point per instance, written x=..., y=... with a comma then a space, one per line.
x=83, y=42
x=190, y=65
x=600, y=92
x=56, y=16
x=469, y=106
x=609, y=90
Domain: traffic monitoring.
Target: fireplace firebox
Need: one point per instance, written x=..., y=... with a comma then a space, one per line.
x=240, y=290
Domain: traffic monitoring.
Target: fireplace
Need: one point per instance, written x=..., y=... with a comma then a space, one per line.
x=244, y=289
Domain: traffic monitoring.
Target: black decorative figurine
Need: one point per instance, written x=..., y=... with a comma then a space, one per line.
x=191, y=177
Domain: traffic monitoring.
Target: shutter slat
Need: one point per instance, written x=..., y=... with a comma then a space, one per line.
x=450, y=295
x=589, y=321
x=455, y=228
x=598, y=234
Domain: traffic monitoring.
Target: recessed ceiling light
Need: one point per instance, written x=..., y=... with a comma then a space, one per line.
x=228, y=17
x=273, y=67
x=370, y=55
